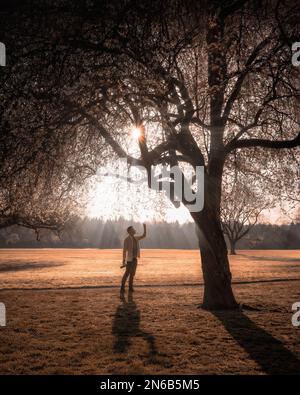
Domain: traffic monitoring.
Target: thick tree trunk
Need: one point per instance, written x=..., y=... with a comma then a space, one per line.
x=218, y=294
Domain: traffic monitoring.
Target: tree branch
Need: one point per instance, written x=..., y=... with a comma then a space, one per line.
x=265, y=143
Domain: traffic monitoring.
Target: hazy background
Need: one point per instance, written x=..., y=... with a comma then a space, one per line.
x=96, y=233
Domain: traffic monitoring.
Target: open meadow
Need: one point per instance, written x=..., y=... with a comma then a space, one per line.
x=65, y=314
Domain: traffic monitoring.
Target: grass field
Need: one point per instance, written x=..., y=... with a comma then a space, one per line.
x=65, y=316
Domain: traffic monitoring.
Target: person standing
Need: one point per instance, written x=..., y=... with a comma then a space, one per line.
x=131, y=253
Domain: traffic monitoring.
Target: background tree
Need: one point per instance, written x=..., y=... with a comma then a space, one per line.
x=243, y=200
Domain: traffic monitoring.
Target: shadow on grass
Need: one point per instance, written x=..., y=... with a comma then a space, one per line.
x=267, y=351
x=126, y=325
x=20, y=266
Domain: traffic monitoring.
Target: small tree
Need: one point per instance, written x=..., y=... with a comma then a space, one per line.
x=242, y=203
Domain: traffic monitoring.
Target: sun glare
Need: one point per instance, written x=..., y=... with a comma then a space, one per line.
x=136, y=133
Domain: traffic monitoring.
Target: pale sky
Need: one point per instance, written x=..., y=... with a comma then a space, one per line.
x=111, y=198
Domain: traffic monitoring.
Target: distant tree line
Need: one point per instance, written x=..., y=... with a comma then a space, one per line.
x=96, y=233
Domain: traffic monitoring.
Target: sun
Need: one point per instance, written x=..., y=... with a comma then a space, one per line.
x=136, y=133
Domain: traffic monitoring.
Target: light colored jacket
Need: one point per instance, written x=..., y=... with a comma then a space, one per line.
x=128, y=246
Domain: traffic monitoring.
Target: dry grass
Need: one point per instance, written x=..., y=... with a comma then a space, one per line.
x=90, y=330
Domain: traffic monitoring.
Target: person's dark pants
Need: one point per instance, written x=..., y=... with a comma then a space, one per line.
x=129, y=272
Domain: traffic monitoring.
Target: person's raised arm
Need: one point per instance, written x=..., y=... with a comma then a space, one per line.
x=144, y=234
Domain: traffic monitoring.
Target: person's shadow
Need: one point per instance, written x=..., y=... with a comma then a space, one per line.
x=126, y=325
x=267, y=351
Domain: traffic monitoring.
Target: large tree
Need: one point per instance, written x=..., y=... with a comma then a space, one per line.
x=201, y=80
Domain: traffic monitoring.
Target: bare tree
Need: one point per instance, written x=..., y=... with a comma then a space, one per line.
x=243, y=200
x=225, y=76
